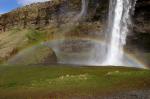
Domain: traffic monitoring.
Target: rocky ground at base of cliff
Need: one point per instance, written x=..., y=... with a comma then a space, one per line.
x=140, y=94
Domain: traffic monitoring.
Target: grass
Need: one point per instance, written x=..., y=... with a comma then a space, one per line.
x=35, y=36
x=43, y=82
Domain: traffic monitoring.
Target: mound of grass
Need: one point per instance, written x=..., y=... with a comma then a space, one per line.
x=38, y=54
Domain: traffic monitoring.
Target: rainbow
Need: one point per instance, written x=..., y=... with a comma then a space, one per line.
x=128, y=56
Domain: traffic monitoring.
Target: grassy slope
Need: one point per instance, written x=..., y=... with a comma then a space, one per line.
x=11, y=42
x=14, y=41
x=36, y=82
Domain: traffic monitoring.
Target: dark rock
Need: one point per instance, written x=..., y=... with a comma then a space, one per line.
x=140, y=36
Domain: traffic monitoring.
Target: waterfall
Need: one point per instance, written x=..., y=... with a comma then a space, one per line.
x=119, y=20
x=84, y=10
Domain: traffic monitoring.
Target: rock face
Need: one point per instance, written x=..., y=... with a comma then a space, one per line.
x=52, y=12
x=55, y=12
x=32, y=15
x=140, y=36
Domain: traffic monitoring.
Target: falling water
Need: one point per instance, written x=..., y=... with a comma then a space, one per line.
x=119, y=20
x=83, y=12
x=64, y=48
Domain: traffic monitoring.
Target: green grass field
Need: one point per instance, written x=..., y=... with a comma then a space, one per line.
x=63, y=82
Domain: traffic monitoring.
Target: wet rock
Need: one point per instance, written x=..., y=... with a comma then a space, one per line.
x=139, y=38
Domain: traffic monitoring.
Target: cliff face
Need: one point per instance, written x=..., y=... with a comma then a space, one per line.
x=52, y=12
x=140, y=36
x=35, y=14
x=60, y=12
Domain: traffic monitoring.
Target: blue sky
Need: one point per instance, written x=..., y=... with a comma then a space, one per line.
x=8, y=5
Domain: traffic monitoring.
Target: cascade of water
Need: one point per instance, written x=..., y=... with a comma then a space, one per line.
x=67, y=43
x=119, y=19
x=83, y=12
x=84, y=8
